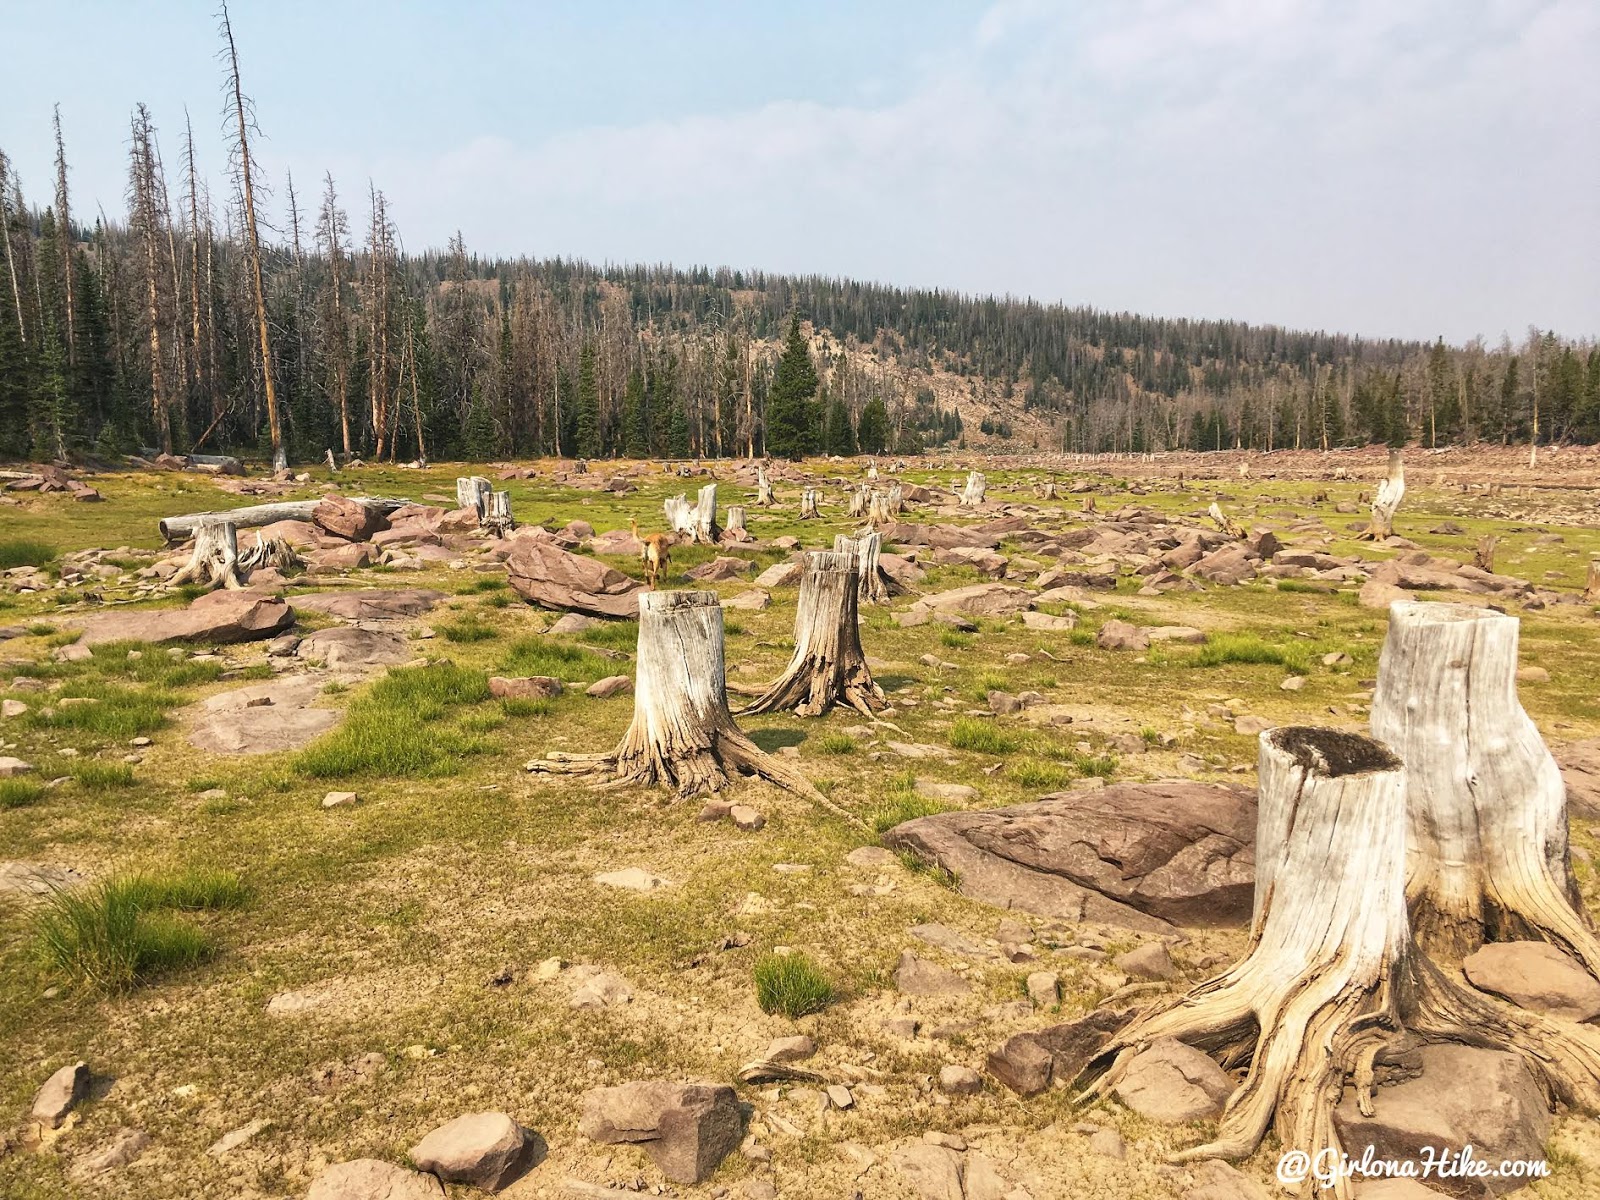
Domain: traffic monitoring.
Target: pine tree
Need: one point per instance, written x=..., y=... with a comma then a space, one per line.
x=873, y=433
x=588, y=403
x=635, y=435
x=841, y=438
x=791, y=422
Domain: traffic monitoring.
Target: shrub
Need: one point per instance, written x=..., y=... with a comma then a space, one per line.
x=19, y=793
x=102, y=777
x=973, y=733
x=791, y=984
x=1247, y=648
x=25, y=552
x=836, y=743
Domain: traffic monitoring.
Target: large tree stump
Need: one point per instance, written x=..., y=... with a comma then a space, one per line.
x=472, y=491
x=858, y=502
x=683, y=735
x=698, y=521
x=735, y=530
x=1391, y=490
x=972, y=494
x=1591, y=589
x=872, y=470
x=1487, y=812
x=878, y=512
x=828, y=664
x=215, y=560
x=1224, y=522
x=808, y=504
x=764, y=495
x=1332, y=978
x=1483, y=556
x=273, y=552
x=875, y=586
x=496, y=516
x=896, y=500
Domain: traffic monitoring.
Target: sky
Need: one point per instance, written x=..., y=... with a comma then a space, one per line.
x=1391, y=168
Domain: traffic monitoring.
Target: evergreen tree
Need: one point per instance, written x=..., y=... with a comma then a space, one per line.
x=791, y=422
x=478, y=434
x=662, y=400
x=635, y=434
x=587, y=444
x=678, y=433
x=873, y=433
x=840, y=437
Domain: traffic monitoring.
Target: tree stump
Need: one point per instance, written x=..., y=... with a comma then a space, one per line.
x=1391, y=490
x=1487, y=809
x=872, y=471
x=697, y=521
x=878, y=510
x=215, y=560
x=764, y=496
x=1224, y=522
x=858, y=501
x=1483, y=556
x=268, y=552
x=828, y=664
x=896, y=500
x=736, y=531
x=332, y=466
x=472, y=492
x=808, y=505
x=972, y=494
x=874, y=586
x=1047, y=490
x=496, y=516
x=683, y=735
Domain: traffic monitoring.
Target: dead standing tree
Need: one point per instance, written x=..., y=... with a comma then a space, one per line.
x=829, y=665
x=683, y=735
x=1391, y=490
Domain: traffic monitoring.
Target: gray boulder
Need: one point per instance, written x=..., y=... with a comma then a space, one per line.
x=685, y=1128
x=487, y=1150
x=1173, y=1083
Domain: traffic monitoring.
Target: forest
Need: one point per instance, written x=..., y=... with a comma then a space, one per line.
x=184, y=325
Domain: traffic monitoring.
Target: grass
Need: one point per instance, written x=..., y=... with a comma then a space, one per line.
x=101, y=777
x=791, y=984
x=398, y=727
x=108, y=937
x=19, y=793
x=836, y=743
x=116, y=711
x=954, y=639
x=522, y=706
x=469, y=629
x=980, y=736
x=1247, y=648
x=902, y=808
x=1039, y=775
x=616, y=635
x=540, y=656
x=918, y=865
x=25, y=552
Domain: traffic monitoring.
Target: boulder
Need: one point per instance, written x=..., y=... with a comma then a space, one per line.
x=1580, y=771
x=11, y=766
x=573, y=623
x=1465, y=1095
x=60, y=1095
x=373, y=604
x=1172, y=1083
x=1150, y=962
x=1028, y=1063
x=784, y=574
x=1227, y=566
x=296, y=533
x=686, y=1129
x=934, y=1172
x=1377, y=594
x=720, y=569
x=616, y=541
x=985, y=562
x=486, y=1150
x=1120, y=635
x=611, y=685
x=347, y=519
x=957, y=1080
x=348, y=557
x=349, y=646
x=224, y=616
x=980, y=600
x=524, y=687
x=550, y=576
x=1537, y=976
x=1138, y=855
x=1046, y=623
x=373, y=1179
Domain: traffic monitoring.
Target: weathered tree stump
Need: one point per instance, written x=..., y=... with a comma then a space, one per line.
x=735, y=530
x=268, y=552
x=858, y=501
x=328, y=458
x=896, y=500
x=697, y=521
x=1483, y=556
x=1047, y=490
x=874, y=586
x=829, y=665
x=1591, y=589
x=1224, y=522
x=215, y=560
x=472, y=491
x=496, y=516
x=764, y=495
x=878, y=510
x=972, y=494
x=1391, y=490
x=683, y=735
x=1487, y=812
x=808, y=505
x=872, y=470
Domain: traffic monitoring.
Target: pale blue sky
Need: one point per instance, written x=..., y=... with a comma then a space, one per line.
x=1387, y=167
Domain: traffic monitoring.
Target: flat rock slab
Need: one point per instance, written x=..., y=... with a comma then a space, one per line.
x=546, y=574
x=374, y=604
x=262, y=718
x=1173, y=1083
x=686, y=1129
x=347, y=647
x=1580, y=771
x=1139, y=855
x=1537, y=976
x=225, y=616
x=36, y=879
x=373, y=1179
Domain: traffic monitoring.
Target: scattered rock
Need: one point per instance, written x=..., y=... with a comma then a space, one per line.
x=340, y=799
x=12, y=708
x=955, y=793
x=791, y=1049
x=611, y=685
x=720, y=569
x=959, y=1081
x=224, y=616
x=60, y=1095
x=11, y=767
x=686, y=1129
x=1150, y=961
x=124, y=1147
x=1108, y=1143
x=373, y=1179
x=981, y=600
x=598, y=988
x=746, y=818
x=934, y=1172
x=487, y=1150
x=576, y=622
x=1252, y=725
x=262, y=718
x=1046, y=623
x=840, y=1096
x=1580, y=771
x=233, y=1139
x=350, y=647
x=347, y=519
x=36, y=879
x=1172, y=1083
x=524, y=687
x=871, y=858
x=1027, y=1063
x=1217, y=1180
x=918, y=977
x=1044, y=989
x=373, y=604
x=1537, y=976
x=1120, y=635
x=544, y=573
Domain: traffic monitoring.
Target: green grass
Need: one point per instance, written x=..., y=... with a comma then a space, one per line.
x=541, y=656
x=117, y=712
x=522, y=706
x=902, y=808
x=19, y=793
x=918, y=865
x=1038, y=775
x=791, y=984
x=25, y=552
x=980, y=736
x=615, y=635
x=954, y=639
x=1300, y=585
x=101, y=777
x=1247, y=648
x=108, y=937
x=836, y=743
x=469, y=629
x=398, y=728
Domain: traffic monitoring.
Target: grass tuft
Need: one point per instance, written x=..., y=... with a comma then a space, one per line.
x=902, y=808
x=398, y=728
x=103, y=777
x=836, y=743
x=1032, y=774
x=1247, y=648
x=561, y=660
x=469, y=629
x=791, y=984
x=25, y=552
x=972, y=733
x=19, y=793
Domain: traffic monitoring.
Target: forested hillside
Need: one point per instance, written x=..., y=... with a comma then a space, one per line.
x=142, y=330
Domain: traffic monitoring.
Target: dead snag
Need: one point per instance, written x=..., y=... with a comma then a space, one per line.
x=698, y=521
x=1391, y=490
x=683, y=735
x=808, y=504
x=764, y=495
x=1483, y=556
x=828, y=664
x=972, y=494
x=1487, y=810
x=215, y=561
x=896, y=500
x=1225, y=523
x=875, y=586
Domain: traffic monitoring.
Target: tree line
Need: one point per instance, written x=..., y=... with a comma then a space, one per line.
x=173, y=326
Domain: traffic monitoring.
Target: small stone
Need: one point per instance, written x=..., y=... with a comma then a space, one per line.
x=839, y=1096
x=956, y=793
x=235, y=1138
x=716, y=810
x=486, y=1150
x=934, y=1172
x=12, y=708
x=373, y=1179
x=124, y=1147
x=1173, y=1084
x=746, y=818
x=140, y=742
x=60, y=1095
x=1150, y=961
x=12, y=767
x=548, y=969
x=758, y=1189
x=900, y=1027
x=918, y=977
x=791, y=1049
x=1044, y=989
x=1251, y=725
x=1532, y=675
x=340, y=799
x=1293, y=684
x=959, y=1081
x=1108, y=1144
x=611, y=685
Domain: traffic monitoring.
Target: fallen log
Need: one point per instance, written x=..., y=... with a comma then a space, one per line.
x=176, y=529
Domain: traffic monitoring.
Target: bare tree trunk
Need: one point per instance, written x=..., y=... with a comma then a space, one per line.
x=497, y=514
x=829, y=665
x=68, y=241
x=698, y=521
x=1487, y=809
x=472, y=491
x=858, y=501
x=972, y=494
x=683, y=735
x=5, y=236
x=215, y=561
x=1391, y=490
x=896, y=500
x=875, y=586
x=764, y=496
x=1591, y=590
x=174, y=529
x=736, y=531
x=146, y=214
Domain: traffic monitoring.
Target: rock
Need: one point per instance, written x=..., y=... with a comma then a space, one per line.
x=1227, y=566
x=346, y=519
x=36, y=879
x=1027, y=1063
x=350, y=647
x=959, y=1081
x=949, y=939
x=758, y=1189
x=934, y=1172
x=611, y=685
x=918, y=977
x=1150, y=961
x=1293, y=683
x=1485, y=1098
x=574, y=622
x=1175, y=633
x=686, y=1129
x=1580, y=771
x=341, y=558
x=784, y=574
x=1107, y=1143
x=1377, y=594
x=1003, y=704
x=955, y=793
x=262, y=718
x=720, y=569
x=753, y=600
x=60, y=1095
x=1136, y=855
x=12, y=708
x=77, y=652
x=11, y=767
x=1217, y=1180
x=372, y=1179
x=1119, y=635
x=746, y=818
x=373, y=604
x=524, y=687
x=1537, y=976
x=981, y=600
x=124, y=1147
x=1172, y=1083
x=840, y=1096
x=1047, y=623
x=1377, y=1189
x=633, y=879
x=1532, y=675
x=984, y=561
x=234, y=1138
x=547, y=575
x=791, y=1049
x=486, y=1150
x=871, y=858
x=1044, y=989
x=224, y=616
x=296, y=533
x=340, y=799
x=1252, y=725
